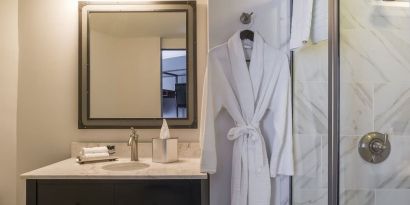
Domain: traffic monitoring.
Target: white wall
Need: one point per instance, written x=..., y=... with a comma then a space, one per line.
x=47, y=103
x=271, y=19
x=8, y=99
x=125, y=76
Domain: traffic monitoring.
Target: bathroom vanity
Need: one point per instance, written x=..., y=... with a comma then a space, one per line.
x=119, y=182
x=147, y=51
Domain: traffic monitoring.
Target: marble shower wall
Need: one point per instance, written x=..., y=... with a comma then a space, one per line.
x=375, y=96
x=310, y=125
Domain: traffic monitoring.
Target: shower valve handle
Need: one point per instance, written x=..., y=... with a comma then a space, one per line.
x=374, y=147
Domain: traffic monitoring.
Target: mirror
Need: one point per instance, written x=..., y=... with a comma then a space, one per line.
x=137, y=65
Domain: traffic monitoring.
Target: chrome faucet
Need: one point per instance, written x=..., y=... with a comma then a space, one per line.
x=133, y=142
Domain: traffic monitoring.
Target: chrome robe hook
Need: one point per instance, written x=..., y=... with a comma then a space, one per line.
x=246, y=18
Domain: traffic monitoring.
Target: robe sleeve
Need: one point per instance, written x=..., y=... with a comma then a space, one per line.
x=281, y=105
x=209, y=110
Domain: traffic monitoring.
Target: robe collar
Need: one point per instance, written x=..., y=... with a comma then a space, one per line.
x=248, y=81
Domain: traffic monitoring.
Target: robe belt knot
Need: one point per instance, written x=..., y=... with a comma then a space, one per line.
x=249, y=132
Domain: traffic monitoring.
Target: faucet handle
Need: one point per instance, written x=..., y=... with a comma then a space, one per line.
x=134, y=132
x=133, y=136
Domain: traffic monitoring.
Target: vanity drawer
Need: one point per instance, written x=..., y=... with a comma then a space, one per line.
x=74, y=193
x=158, y=192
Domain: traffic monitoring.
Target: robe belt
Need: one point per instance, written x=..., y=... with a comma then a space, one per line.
x=252, y=132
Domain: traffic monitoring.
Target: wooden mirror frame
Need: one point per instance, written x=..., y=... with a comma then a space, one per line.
x=84, y=119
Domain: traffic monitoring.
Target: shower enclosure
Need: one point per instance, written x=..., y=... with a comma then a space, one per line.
x=355, y=83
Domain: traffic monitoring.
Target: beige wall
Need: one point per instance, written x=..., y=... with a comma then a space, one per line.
x=47, y=95
x=125, y=78
x=8, y=100
x=173, y=43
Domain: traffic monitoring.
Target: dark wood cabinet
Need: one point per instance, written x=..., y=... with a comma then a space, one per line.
x=117, y=192
x=182, y=192
x=74, y=193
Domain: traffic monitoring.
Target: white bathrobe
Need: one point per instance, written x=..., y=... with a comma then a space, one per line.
x=255, y=109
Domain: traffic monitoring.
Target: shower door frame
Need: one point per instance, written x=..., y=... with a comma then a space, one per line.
x=333, y=102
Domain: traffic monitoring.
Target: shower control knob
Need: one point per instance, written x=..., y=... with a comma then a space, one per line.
x=374, y=147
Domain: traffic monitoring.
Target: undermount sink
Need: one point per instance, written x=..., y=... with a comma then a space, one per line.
x=125, y=166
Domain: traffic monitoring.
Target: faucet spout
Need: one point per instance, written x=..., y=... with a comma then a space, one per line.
x=133, y=142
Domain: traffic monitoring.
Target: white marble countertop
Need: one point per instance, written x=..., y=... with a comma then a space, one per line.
x=185, y=168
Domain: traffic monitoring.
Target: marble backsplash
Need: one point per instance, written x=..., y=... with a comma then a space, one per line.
x=185, y=149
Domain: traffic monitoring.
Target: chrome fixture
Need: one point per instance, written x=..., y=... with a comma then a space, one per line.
x=374, y=147
x=133, y=142
x=246, y=18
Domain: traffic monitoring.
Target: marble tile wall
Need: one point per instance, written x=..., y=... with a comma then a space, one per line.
x=375, y=96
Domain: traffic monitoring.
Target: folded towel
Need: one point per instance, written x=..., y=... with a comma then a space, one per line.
x=94, y=150
x=91, y=155
x=301, y=23
x=319, y=30
x=309, y=22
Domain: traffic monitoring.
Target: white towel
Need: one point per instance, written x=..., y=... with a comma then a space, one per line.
x=94, y=150
x=91, y=155
x=309, y=21
x=301, y=23
x=319, y=21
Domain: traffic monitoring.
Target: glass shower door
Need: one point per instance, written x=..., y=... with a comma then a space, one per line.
x=370, y=47
x=310, y=114
x=310, y=126
x=374, y=97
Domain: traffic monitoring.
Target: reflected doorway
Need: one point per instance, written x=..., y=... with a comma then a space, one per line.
x=174, y=89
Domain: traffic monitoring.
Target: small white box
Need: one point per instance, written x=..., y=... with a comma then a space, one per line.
x=165, y=150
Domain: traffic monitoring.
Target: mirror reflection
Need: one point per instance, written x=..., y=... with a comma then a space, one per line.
x=138, y=64
x=174, y=72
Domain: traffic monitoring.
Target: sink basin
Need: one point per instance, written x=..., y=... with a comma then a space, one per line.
x=125, y=166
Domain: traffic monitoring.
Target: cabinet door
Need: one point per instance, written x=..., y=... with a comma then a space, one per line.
x=158, y=192
x=74, y=193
